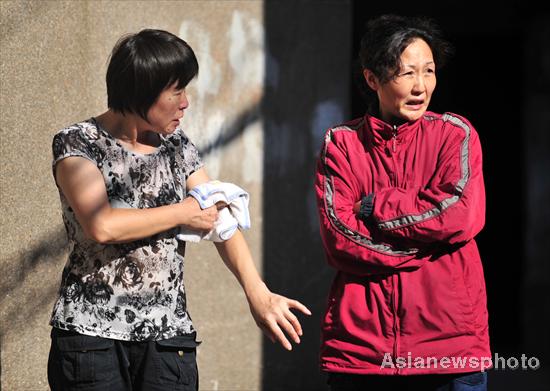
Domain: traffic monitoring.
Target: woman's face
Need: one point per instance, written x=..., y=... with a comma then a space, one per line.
x=406, y=97
x=165, y=113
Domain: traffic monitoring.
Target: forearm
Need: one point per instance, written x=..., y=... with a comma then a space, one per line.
x=114, y=225
x=349, y=243
x=429, y=215
x=450, y=208
x=237, y=257
x=270, y=311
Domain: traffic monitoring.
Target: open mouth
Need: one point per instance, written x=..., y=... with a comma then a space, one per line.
x=414, y=104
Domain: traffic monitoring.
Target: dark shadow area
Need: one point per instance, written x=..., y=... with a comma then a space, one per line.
x=500, y=66
x=44, y=250
x=308, y=45
x=28, y=306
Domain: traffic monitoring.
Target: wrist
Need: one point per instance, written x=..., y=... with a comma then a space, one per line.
x=184, y=210
x=253, y=289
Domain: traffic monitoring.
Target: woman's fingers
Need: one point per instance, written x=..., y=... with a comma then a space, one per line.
x=210, y=215
x=274, y=329
x=220, y=205
x=290, y=329
x=200, y=219
x=274, y=316
x=299, y=306
x=287, y=321
x=293, y=320
x=357, y=207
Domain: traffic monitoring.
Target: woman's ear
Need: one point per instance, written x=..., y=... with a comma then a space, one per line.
x=371, y=79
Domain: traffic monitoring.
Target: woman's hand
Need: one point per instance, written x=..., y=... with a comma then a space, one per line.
x=272, y=314
x=196, y=218
x=357, y=207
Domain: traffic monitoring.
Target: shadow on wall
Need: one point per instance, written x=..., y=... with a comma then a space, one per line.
x=231, y=131
x=25, y=294
x=306, y=91
x=46, y=250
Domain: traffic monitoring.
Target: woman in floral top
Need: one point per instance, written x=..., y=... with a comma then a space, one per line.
x=121, y=318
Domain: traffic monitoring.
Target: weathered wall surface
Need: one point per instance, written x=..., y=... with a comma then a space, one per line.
x=53, y=58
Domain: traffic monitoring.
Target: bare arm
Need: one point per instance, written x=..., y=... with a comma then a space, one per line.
x=270, y=311
x=83, y=185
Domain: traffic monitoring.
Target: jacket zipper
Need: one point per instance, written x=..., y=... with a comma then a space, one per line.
x=396, y=276
x=393, y=157
x=394, y=138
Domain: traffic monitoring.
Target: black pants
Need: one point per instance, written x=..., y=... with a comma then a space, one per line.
x=476, y=381
x=81, y=362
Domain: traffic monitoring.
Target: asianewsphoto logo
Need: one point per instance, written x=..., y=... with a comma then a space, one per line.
x=473, y=363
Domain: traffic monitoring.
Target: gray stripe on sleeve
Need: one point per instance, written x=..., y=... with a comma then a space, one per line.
x=338, y=224
x=447, y=202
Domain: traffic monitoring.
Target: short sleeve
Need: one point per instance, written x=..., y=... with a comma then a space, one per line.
x=72, y=142
x=190, y=155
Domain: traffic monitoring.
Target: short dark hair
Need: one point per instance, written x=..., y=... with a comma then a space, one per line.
x=142, y=65
x=385, y=39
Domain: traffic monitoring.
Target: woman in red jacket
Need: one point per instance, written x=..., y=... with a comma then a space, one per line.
x=401, y=197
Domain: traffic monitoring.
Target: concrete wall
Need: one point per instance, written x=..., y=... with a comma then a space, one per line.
x=53, y=61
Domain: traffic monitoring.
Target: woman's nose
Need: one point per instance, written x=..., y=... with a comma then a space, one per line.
x=419, y=85
x=184, y=102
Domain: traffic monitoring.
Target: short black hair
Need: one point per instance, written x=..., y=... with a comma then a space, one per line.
x=385, y=39
x=142, y=65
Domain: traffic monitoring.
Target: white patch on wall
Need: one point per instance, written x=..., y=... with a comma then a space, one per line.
x=209, y=78
x=246, y=52
x=201, y=122
x=226, y=88
x=252, y=162
x=212, y=125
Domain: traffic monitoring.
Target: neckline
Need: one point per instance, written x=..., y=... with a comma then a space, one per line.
x=387, y=130
x=124, y=148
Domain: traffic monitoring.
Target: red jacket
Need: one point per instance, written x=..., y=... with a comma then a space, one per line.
x=409, y=293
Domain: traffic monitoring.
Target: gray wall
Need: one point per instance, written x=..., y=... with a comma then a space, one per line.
x=256, y=112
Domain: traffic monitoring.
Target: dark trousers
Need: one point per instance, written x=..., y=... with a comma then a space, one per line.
x=476, y=381
x=81, y=362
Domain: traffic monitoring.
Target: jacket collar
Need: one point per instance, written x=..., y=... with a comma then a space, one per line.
x=380, y=131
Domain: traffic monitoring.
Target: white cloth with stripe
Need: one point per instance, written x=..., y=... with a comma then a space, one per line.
x=231, y=218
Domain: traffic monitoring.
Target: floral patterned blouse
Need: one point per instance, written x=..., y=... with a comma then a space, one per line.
x=131, y=291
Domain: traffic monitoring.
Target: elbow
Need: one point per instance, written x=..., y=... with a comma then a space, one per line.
x=474, y=221
x=467, y=231
x=99, y=233
x=467, y=222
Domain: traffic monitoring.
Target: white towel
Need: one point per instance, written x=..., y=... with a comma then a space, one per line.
x=229, y=219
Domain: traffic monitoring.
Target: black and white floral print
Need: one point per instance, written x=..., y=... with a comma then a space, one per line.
x=130, y=291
